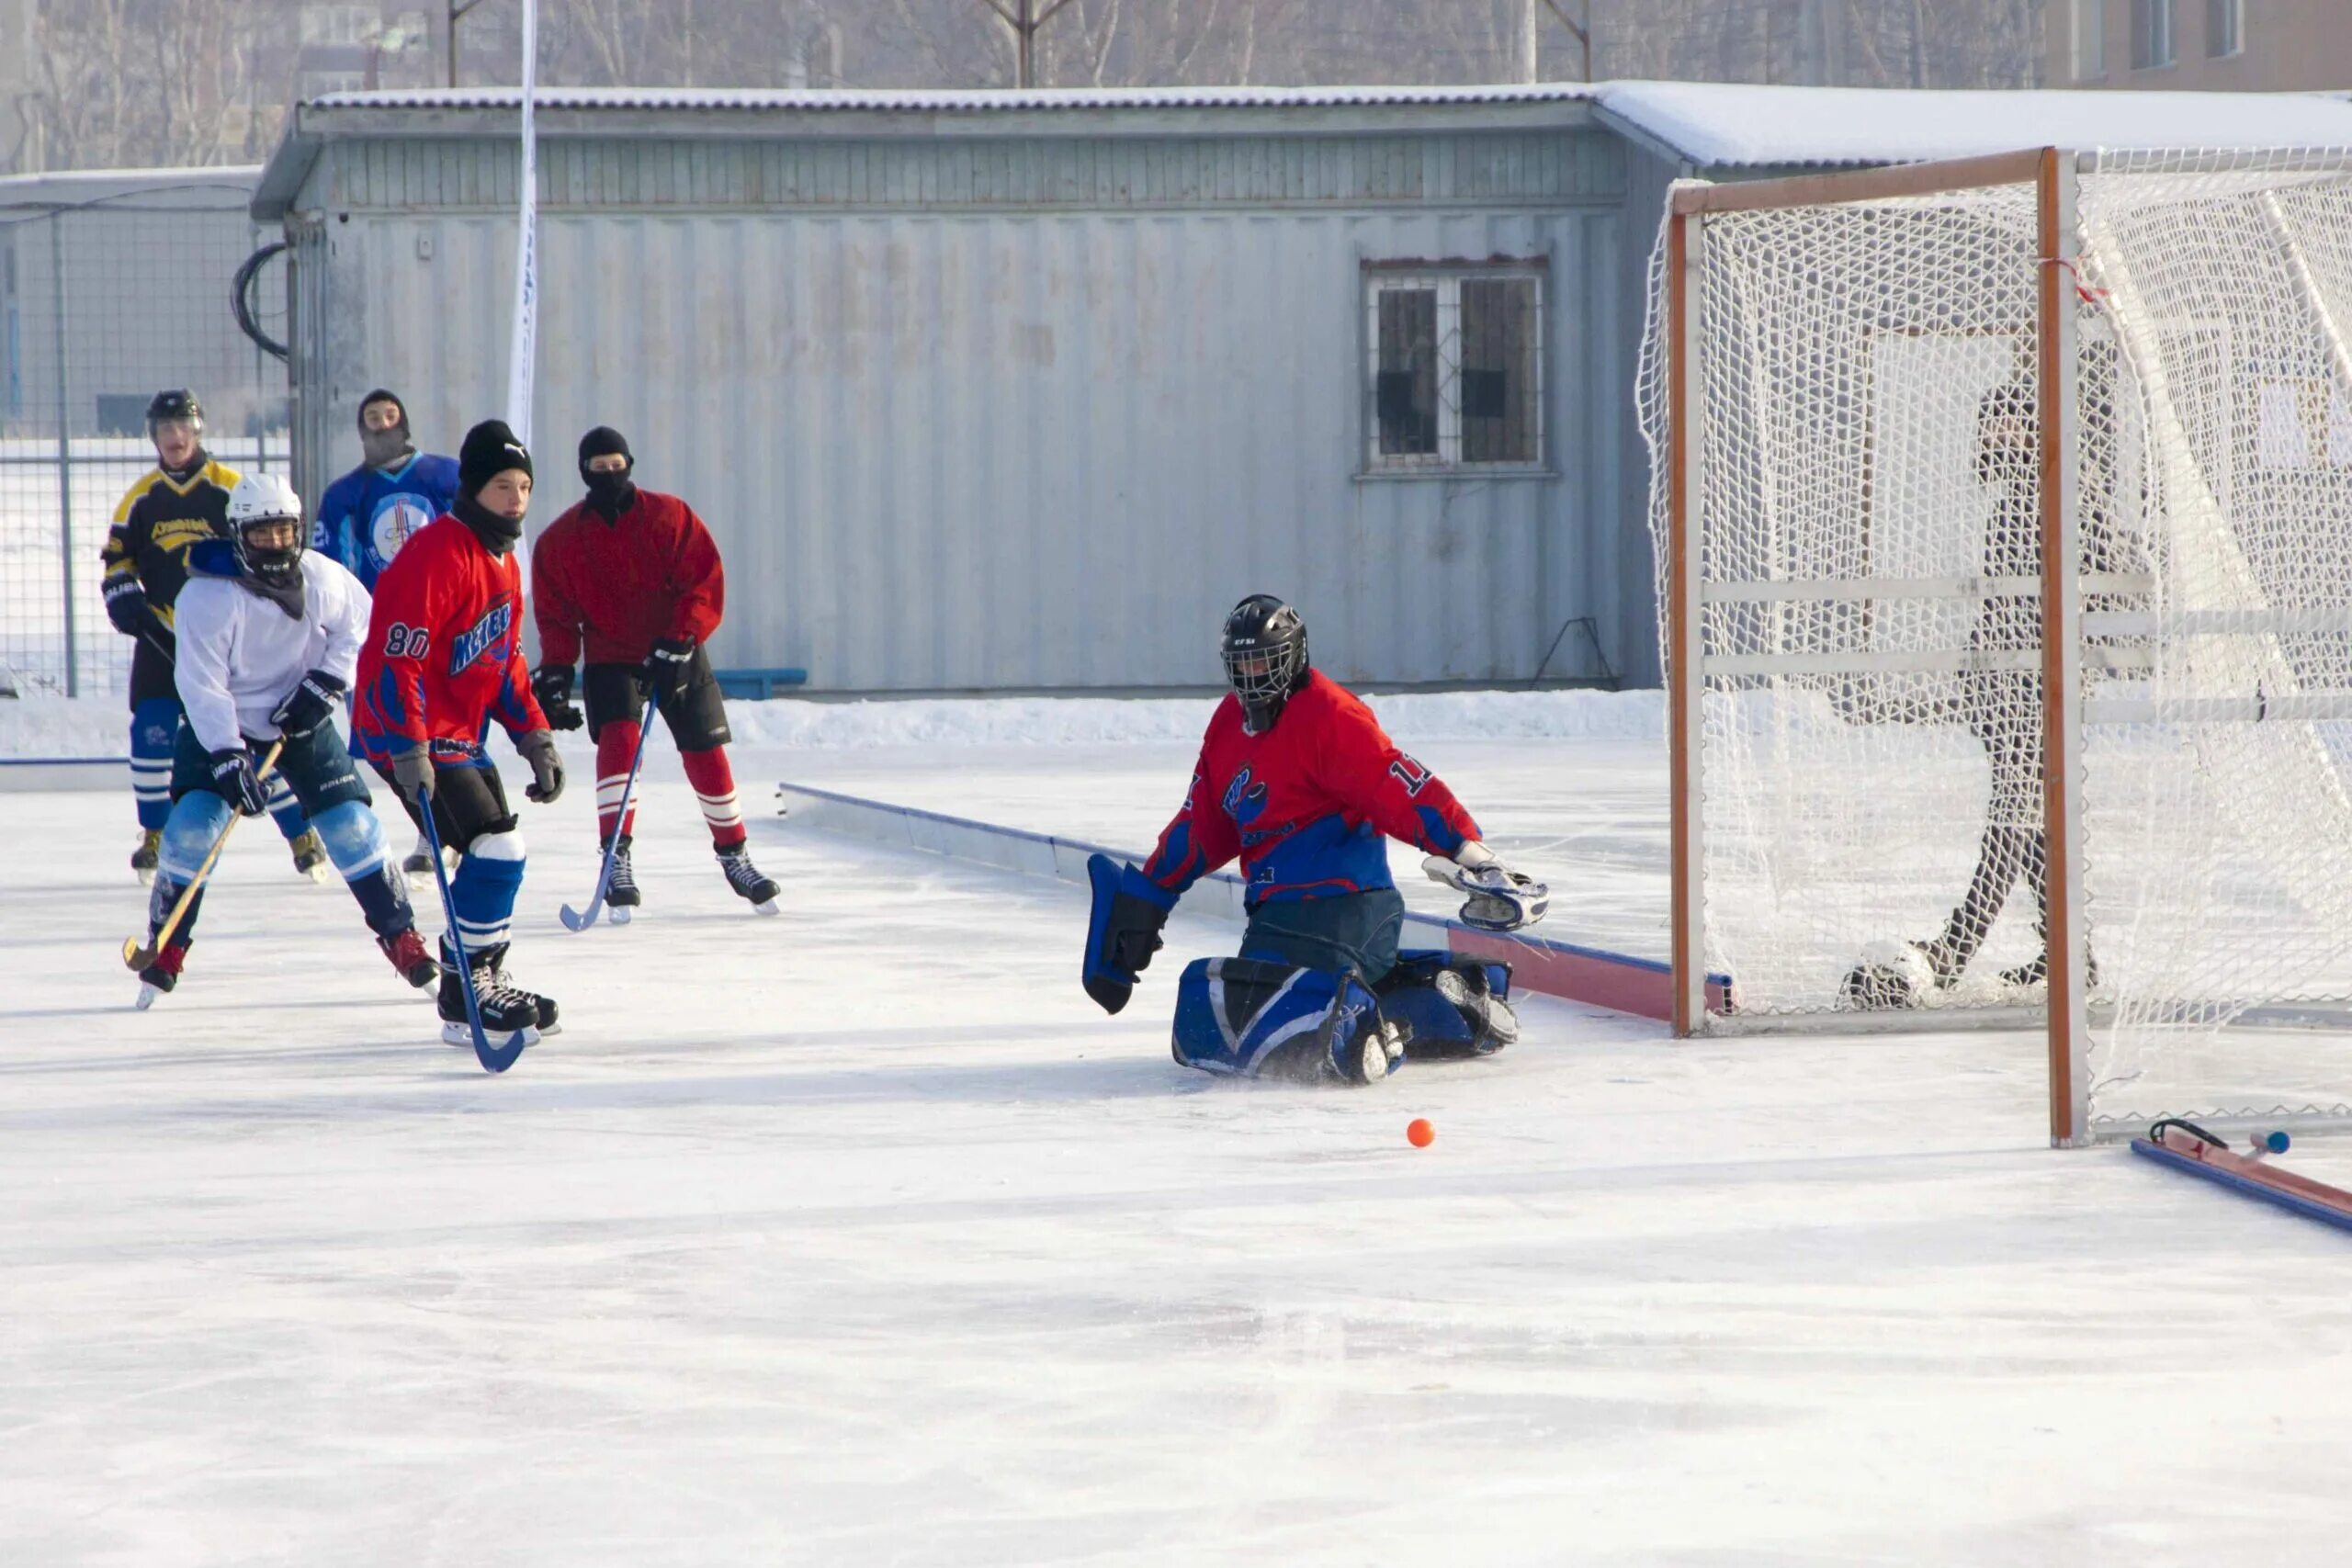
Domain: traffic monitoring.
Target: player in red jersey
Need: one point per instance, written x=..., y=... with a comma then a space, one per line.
x=444, y=657
x=634, y=576
x=1298, y=781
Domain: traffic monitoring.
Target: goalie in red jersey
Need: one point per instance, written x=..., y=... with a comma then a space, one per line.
x=1298, y=781
x=443, y=658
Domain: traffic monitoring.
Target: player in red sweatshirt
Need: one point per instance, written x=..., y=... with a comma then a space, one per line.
x=444, y=657
x=1298, y=781
x=634, y=576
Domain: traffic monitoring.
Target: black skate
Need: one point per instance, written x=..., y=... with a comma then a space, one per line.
x=747, y=880
x=621, y=894
x=418, y=866
x=161, y=976
x=310, y=854
x=408, y=955
x=144, y=858
x=506, y=1008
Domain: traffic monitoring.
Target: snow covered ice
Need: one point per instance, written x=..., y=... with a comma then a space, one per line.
x=861, y=1236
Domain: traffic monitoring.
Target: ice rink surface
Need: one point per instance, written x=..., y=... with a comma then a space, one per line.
x=860, y=1236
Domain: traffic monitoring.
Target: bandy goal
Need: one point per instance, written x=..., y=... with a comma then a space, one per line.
x=2004, y=519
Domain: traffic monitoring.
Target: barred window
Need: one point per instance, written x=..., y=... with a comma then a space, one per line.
x=1456, y=377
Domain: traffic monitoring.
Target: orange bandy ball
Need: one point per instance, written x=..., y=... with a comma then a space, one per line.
x=1419, y=1133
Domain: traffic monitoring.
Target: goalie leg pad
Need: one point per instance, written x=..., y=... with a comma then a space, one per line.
x=1452, y=1008
x=1252, y=1018
x=1121, y=930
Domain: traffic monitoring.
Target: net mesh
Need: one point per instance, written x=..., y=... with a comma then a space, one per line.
x=1867, y=518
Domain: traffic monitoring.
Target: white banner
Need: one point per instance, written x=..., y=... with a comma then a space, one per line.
x=526, y=260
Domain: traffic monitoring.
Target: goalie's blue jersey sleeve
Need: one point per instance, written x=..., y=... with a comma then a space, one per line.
x=1306, y=806
x=368, y=514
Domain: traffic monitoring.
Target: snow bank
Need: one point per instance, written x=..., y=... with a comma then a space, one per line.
x=96, y=726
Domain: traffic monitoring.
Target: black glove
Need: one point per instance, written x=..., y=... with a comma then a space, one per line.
x=538, y=747
x=310, y=704
x=1123, y=932
x=235, y=781
x=413, y=773
x=126, y=606
x=665, y=668
x=552, y=686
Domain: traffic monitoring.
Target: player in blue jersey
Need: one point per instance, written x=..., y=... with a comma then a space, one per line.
x=370, y=513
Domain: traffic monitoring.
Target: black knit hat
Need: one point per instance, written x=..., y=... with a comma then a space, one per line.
x=382, y=395
x=489, y=451
x=603, y=442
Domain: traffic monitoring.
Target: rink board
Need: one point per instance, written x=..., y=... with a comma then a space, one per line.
x=1593, y=976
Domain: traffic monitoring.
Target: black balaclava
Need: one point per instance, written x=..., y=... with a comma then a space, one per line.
x=609, y=494
x=489, y=451
x=385, y=448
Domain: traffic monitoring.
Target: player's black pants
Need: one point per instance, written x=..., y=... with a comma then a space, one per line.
x=2007, y=717
x=468, y=803
x=1354, y=930
x=697, y=716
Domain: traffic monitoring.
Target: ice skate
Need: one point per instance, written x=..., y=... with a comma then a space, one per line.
x=746, y=879
x=144, y=858
x=621, y=894
x=161, y=976
x=407, y=953
x=309, y=855
x=506, y=1008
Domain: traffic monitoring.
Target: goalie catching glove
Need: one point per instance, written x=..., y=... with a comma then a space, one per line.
x=1500, y=899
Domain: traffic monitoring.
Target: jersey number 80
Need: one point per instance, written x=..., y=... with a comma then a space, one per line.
x=405, y=641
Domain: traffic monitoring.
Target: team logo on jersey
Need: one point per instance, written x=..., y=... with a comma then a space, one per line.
x=484, y=637
x=400, y=516
x=179, y=533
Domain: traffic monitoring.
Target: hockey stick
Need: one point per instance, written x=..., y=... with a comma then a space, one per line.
x=137, y=957
x=493, y=1058
x=573, y=920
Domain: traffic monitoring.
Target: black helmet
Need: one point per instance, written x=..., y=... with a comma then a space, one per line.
x=176, y=403
x=1264, y=648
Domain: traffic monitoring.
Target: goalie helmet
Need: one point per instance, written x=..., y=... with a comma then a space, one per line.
x=260, y=502
x=1264, y=650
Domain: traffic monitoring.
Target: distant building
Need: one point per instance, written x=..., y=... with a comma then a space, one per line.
x=2239, y=46
x=1013, y=391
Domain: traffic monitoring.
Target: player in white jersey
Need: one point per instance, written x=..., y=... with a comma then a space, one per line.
x=269, y=635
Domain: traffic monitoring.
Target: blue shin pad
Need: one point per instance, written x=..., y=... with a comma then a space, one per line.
x=1438, y=1027
x=1251, y=1018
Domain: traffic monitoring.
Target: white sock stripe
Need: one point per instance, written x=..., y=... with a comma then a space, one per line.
x=727, y=799
x=611, y=781
x=354, y=873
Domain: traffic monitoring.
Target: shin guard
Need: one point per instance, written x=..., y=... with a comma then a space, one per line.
x=1249, y=1018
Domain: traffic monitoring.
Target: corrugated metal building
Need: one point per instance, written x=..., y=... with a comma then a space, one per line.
x=1024, y=389
x=1026, y=395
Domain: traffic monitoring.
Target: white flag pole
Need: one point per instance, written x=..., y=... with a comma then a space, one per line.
x=526, y=260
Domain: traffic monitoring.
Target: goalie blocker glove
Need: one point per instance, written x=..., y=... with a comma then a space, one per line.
x=1500, y=899
x=1123, y=931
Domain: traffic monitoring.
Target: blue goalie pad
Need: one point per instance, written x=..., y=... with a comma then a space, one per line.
x=1249, y=1018
x=1450, y=1006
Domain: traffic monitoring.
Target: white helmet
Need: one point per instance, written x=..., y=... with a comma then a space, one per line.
x=259, y=496
x=266, y=498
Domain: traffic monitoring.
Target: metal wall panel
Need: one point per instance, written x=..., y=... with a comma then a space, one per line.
x=1030, y=448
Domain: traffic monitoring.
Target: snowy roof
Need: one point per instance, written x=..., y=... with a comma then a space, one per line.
x=938, y=101
x=74, y=188
x=1730, y=125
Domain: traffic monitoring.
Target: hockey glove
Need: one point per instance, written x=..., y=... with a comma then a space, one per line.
x=1500, y=899
x=235, y=781
x=310, y=704
x=666, y=667
x=1123, y=931
x=126, y=606
x=552, y=686
x=538, y=747
x=412, y=774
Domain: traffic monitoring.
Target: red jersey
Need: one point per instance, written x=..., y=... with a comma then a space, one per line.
x=623, y=581
x=444, y=654
x=1306, y=806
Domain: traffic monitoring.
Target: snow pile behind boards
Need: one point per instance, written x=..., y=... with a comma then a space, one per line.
x=1415, y=719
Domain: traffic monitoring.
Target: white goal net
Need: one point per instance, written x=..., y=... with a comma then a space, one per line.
x=1869, y=435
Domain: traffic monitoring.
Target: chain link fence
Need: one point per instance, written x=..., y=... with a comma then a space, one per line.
x=112, y=287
